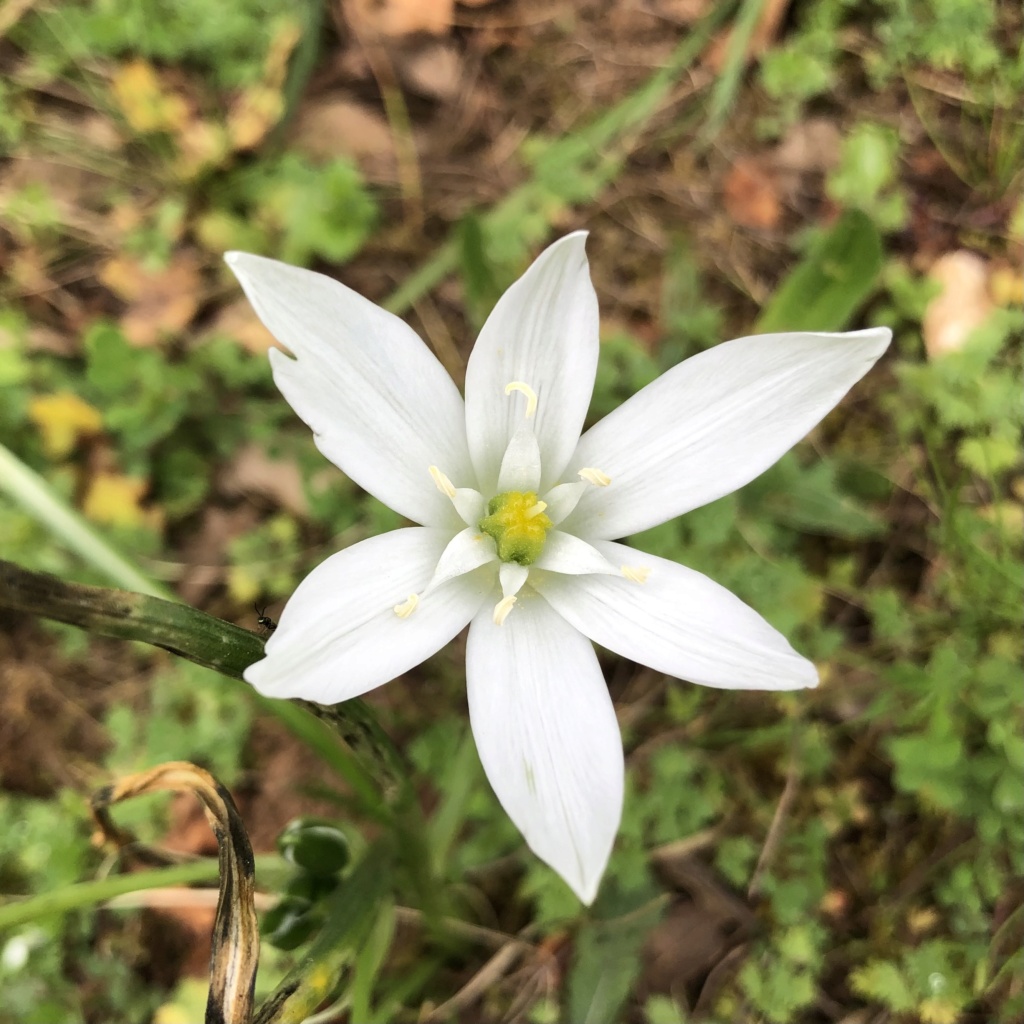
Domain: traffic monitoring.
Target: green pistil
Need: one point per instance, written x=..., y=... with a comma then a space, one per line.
x=516, y=522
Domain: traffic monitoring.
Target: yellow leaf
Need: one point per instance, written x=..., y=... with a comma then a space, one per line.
x=242, y=584
x=161, y=301
x=143, y=101
x=201, y=145
x=63, y=418
x=114, y=500
x=936, y=1010
x=1007, y=287
x=285, y=39
x=258, y=109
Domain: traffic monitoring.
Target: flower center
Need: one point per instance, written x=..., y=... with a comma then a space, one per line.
x=516, y=522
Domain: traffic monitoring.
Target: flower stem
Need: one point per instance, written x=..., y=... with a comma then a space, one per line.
x=207, y=641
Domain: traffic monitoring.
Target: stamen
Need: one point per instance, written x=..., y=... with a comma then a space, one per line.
x=535, y=510
x=531, y=396
x=407, y=607
x=502, y=609
x=635, y=573
x=444, y=485
x=594, y=476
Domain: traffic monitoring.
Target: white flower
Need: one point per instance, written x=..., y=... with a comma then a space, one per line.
x=519, y=515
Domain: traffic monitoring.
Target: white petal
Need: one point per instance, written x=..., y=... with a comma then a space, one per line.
x=467, y=550
x=563, y=552
x=677, y=622
x=470, y=505
x=339, y=635
x=520, y=466
x=512, y=577
x=561, y=500
x=712, y=424
x=382, y=407
x=544, y=333
x=547, y=737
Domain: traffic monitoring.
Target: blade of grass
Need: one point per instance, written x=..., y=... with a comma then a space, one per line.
x=729, y=78
x=18, y=911
x=368, y=963
x=457, y=785
x=24, y=486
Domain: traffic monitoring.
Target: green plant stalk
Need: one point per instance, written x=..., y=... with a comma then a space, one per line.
x=595, y=151
x=459, y=783
x=212, y=643
x=351, y=912
x=17, y=912
x=29, y=490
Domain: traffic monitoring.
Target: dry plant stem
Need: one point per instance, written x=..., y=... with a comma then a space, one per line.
x=720, y=973
x=488, y=975
x=463, y=930
x=774, y=837
x=398, y=117
x=235, y=951
x=190, y=634
x=685, y=847
x=441, y=339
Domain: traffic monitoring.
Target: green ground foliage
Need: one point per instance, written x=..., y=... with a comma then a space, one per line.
x=852, y=853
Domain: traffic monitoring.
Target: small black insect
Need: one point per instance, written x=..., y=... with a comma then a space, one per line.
x=263, y=619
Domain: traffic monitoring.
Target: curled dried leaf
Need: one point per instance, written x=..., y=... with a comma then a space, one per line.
x=236, y=938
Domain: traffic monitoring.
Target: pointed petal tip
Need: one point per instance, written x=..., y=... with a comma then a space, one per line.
x=257, y=677
x=805, y=676
x=235, y=258
x=584, y=887
x=586, y=891
x=575, y=240
x=240, y=263
x=880, y=336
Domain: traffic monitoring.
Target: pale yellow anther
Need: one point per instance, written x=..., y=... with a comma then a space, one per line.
x=594, y=476
x=525, y=389
x=444, y=485
x=503, y=608
x=535, y=510
x=635, y=573
x=407, y=607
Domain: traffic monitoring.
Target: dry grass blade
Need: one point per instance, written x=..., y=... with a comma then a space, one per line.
x=12, y=12
x=236, y=938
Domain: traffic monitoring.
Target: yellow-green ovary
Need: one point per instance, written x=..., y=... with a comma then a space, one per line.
x=517, y=526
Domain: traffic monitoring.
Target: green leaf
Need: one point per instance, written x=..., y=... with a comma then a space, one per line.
x=884, y=982
x=929, y=765
x=809, y=499
x=663, y=1010
x=606, y=963
x=480, y=283
x=15, y=912
x=831, y=282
